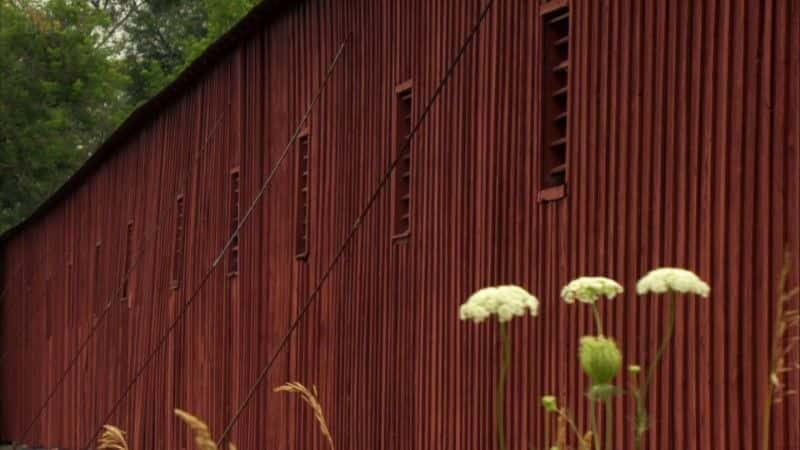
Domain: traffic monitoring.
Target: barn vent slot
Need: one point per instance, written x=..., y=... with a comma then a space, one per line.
x=302, y=196
x=402, y=174
x=128, y=262
x=555, y=67
x=235, y=212
x=179, y=245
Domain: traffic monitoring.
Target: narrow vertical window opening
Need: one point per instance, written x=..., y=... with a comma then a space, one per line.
x=302, y=198
x=97, y=246
x=178, y=250
x=128, y=263
x=96, y=275
x=233, y=252
x=402, y=175
x=555, y=23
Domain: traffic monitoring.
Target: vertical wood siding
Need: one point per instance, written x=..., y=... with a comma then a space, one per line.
x=683, y=151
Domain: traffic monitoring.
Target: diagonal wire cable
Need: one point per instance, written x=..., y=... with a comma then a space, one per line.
x=356, y=225
x=256, y=201
x=126, y=276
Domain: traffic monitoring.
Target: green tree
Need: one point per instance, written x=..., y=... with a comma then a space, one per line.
x=71, y=70
x=162, y=37
x=220, y=16
x=155, y=46
x=60, y=94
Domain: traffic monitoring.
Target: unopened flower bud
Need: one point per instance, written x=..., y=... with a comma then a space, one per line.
x=549, y=403
x=600, y=358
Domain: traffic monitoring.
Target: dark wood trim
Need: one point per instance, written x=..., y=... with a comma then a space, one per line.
x=404, y=87
x=402, y=236
x=552, y=193
x=553, y=5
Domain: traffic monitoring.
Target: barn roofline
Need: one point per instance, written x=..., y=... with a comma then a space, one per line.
x=147, y=112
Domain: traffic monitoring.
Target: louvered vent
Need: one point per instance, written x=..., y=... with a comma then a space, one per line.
x=402, y=173
x=233, y=253
x=302, y=197
x=555, y=93
x=178, y=249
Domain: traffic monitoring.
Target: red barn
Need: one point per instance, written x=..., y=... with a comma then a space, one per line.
x=580, y=137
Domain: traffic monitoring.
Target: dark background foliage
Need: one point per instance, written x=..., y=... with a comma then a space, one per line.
x=72, y=70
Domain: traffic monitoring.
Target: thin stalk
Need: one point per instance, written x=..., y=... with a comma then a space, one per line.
x=597, y=319
x=546, y=436
x=609, y=424
x=501, y=384
x=637, y=418
x=641, y=404
x=572, y=426
x=595, y=429
x=767, y=419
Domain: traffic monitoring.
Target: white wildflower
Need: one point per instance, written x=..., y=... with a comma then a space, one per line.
x=670, y=279
x=506, y=302
x=590, y=289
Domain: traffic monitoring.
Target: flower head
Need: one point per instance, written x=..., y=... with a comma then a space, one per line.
x=634, y=369
x=670, y=279
x=590, y=289
x=549, y=403
x=600, y=359
x=504, y=301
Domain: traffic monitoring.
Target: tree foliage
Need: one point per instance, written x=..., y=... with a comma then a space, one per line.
x=72, y=70
x=159, y=38
x=59, y=96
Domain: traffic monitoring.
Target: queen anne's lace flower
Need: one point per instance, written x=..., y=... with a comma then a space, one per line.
x=670, y=279
x=504, y=301
x=590, y=289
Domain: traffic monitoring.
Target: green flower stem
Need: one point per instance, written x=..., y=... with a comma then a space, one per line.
x=597, y=319
x=637, y=417
x=593, y=418
x=641, y=404
x=501, y=384
x=609, y=424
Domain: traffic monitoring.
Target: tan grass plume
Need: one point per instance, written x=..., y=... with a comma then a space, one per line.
x=112, y=438
x=310, y=397
x=785, y=337
x=202, y=434
x=587, y=440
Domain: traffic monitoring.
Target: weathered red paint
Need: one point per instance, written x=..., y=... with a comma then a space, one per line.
x=683, y=150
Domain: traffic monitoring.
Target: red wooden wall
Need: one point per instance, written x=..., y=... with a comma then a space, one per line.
x=683, y=151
